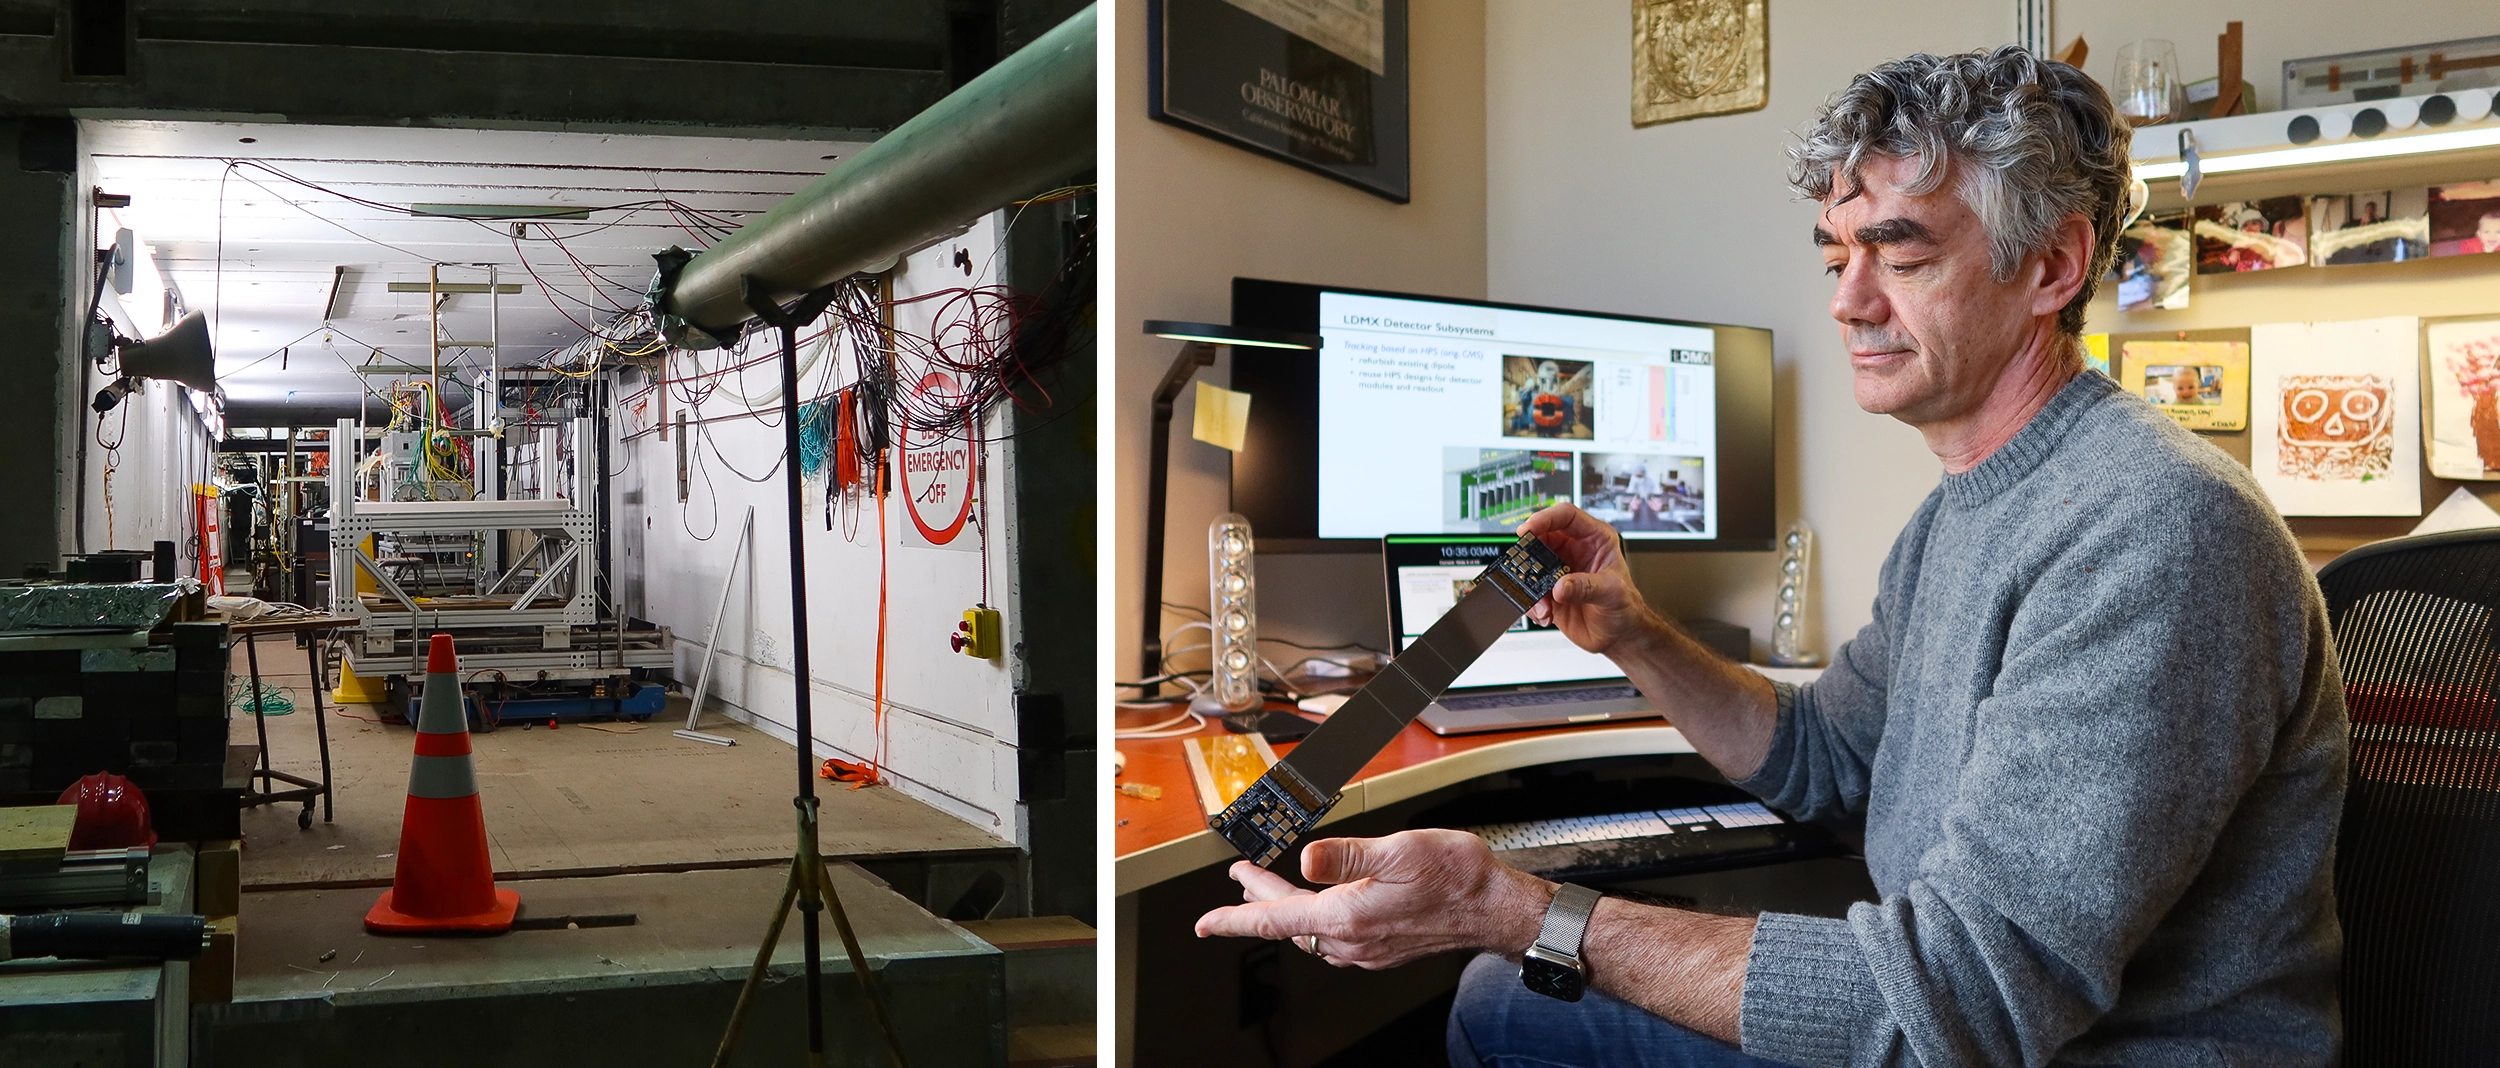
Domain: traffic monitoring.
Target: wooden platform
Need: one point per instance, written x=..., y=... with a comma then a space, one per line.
x=584, y=799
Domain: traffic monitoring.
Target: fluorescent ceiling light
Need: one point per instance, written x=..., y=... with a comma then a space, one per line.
x=500, y=211
x=2342, y=152
x=505, y=288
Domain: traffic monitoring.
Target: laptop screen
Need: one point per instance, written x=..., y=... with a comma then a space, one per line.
x=1427, y=575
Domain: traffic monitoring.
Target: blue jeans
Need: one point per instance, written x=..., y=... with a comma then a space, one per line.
x=1498, y=1023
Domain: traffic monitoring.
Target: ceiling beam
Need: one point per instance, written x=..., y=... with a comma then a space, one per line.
x=848, y=71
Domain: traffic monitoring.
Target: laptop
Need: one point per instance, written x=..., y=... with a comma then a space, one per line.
x=1531, y=677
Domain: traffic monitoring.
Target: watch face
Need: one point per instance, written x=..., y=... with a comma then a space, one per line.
x=1552, y=978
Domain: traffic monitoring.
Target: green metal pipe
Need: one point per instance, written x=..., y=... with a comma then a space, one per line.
x=1027, y=121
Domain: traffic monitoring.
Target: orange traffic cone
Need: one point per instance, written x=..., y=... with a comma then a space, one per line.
x=445, y=882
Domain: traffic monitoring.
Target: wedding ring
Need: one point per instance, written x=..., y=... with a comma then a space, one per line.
x=1310, y=944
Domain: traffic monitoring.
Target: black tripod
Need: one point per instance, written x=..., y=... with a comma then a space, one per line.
x=808, y=885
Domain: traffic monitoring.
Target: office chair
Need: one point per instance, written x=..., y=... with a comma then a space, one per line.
x=2417, y=864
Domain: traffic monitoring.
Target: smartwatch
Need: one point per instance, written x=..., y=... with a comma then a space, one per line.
x=1552, y=966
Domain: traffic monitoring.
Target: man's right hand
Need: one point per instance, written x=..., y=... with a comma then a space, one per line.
x=1727, y=712
x=1596, y=605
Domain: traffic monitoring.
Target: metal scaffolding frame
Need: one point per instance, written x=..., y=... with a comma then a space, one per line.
x=571, y=519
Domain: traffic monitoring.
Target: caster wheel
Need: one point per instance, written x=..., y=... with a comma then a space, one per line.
x=303, y=820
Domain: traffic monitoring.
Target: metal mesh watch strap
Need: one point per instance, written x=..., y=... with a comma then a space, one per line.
x=1567, y=920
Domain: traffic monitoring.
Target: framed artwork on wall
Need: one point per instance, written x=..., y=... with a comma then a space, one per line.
x=1320, y=84
x=1692, y=58
x=2461, y=395
x=2335, y=416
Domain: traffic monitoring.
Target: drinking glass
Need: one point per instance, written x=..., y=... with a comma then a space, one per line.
x=2148, y=87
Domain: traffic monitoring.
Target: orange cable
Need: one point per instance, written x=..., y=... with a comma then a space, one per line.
x=876, y=761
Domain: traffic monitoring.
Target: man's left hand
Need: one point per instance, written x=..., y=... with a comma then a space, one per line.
x=1391, y=900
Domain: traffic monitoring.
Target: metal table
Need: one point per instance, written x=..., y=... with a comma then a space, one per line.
x=267, y=778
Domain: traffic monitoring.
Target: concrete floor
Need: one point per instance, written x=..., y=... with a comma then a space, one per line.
x=596, y=820
x=656, y=991
x=583, y=799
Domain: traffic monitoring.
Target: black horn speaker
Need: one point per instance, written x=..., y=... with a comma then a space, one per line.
x=181, y=354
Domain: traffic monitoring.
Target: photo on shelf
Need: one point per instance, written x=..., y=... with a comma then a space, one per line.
x=2465, y=218
x=2463, y=354
x=1544, y=397
x=2387, y=226
x=1643, y=491
x=2155, y=259
x=2251, y=235
x=1492, y=491
x=2202, y=385
x=2335, y=416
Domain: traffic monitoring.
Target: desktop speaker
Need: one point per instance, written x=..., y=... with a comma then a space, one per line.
x=181, y=354
x=1788, y=615
x=1233, y=614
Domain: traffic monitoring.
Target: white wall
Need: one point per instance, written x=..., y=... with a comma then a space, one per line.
x=1193, y=213
x=1695, y=220
x=950, y=718
x=140, y=493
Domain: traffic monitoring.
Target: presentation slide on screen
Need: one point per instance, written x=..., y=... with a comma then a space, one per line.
x=1462, y=419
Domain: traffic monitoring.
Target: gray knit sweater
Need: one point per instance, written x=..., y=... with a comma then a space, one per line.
x=2096, y=735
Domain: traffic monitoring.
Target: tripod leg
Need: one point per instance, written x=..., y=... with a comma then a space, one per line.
x=807, y=874
x=755, y=975
x=869, y=984
x=815, y=984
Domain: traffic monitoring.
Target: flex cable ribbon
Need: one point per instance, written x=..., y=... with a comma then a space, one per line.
x=1287, y=802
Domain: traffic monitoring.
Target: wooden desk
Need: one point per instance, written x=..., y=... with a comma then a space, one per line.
x=1156, y=840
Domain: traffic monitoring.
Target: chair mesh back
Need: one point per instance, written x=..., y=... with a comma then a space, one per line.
x=2417, y=867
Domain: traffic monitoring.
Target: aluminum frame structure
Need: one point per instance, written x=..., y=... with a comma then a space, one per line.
x=573, y=518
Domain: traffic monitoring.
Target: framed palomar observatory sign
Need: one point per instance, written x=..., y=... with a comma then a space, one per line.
x=1320, y=84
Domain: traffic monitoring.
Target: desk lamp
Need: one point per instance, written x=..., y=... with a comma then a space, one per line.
x=1199, y=342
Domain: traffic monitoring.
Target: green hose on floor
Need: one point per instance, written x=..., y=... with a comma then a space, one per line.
x=273, y=698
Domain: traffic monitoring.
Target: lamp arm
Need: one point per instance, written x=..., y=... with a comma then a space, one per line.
x=1193, y=355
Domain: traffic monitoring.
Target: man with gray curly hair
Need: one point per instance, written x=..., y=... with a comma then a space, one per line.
x=2099, y=803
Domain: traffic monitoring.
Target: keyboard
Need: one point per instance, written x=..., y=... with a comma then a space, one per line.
x=1648, y=823
x=1521, y=698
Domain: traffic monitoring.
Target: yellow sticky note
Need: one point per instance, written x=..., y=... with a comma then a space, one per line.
x=1223, y=418
x=2096, y=352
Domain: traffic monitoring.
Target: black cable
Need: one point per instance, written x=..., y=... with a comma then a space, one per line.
x=1322, y=648
x=1168, y=676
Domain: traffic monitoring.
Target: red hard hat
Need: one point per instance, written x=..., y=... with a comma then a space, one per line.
x=112, y=813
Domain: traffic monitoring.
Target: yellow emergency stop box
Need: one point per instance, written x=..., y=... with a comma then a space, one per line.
x=977, y=634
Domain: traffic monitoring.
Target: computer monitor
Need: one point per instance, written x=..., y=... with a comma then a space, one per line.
x=1428, y=413
x=1428, y=573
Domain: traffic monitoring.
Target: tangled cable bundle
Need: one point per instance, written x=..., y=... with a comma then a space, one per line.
x=273, y=698
x=816, y=434
x=990, y=341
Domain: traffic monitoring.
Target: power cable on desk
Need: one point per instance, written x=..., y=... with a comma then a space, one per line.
x=1202, y=613
x=1169, y=728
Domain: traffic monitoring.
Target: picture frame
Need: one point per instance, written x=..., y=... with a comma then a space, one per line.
x=2202, y=385
x=2461, y=396
x=1319, y=84
x=1692, y=58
